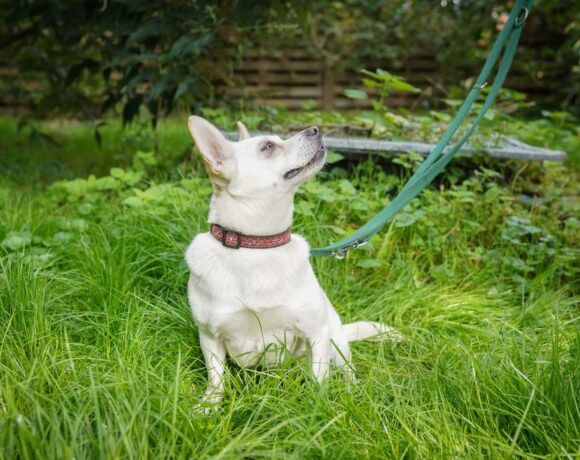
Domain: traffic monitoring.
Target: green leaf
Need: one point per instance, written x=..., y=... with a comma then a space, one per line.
x=372, y=74
x=143, y=159
x=398, y=84
x=61, y=238
x=370, y=83
x=304, y=208
x=532, y=201
x=404, y=219
x=338, y=230
x=252, y=122
x=186, y=84
x=159, y=87
x=131, y=109
x=188, y=45
x=333, y=157
x=378, y=107
x=346, y=187
x=397, y=120
x=80, y=225
x=149, y=29
x=133, y=201
x=86, y=209
x=369, y=263
x=355, y=94
x=106, y=183
x=117, y=172
x=15, y=241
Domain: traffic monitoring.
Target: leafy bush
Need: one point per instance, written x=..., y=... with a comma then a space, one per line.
x=86, y=58
x=150, y=53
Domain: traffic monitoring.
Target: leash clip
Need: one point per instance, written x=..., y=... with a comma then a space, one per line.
x=342, y=252
x=522, y=17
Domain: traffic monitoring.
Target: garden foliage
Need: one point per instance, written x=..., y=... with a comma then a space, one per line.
x=99, y=355
x=87, y=58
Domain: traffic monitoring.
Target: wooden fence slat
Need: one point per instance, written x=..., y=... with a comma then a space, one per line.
x=312, y=66
x=280, y=78
x=328, y=86
x=288, y=91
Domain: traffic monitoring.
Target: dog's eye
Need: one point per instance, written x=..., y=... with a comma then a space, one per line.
x=268, y=146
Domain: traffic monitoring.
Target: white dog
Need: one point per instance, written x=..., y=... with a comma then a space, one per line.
x=252, y=290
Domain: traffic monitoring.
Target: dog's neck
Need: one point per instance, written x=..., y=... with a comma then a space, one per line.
x=251, y=216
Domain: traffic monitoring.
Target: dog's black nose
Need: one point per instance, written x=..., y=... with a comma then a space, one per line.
x=313, y=131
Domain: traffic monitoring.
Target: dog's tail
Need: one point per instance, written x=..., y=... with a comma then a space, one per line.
x=362, y=330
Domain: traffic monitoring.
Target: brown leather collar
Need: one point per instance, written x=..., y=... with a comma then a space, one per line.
x=235, y=240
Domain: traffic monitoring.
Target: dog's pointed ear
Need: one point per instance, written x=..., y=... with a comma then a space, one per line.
x=216, y=150
x=243, y=133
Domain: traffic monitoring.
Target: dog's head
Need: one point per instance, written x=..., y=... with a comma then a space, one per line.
x=261, y=164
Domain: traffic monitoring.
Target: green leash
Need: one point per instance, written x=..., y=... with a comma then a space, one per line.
x=440, y=156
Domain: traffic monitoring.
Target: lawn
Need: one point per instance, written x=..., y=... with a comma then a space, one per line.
x=99, y=356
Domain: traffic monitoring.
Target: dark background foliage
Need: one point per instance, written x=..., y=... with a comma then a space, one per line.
x=88, y=57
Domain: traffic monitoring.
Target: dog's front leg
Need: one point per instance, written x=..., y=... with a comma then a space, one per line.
x=214, y=353
x=320, y=348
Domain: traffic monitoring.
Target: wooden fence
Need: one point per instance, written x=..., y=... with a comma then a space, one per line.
x=296, y=77
x=293, y=76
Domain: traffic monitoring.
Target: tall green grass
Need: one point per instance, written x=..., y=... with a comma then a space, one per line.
x=99, y=356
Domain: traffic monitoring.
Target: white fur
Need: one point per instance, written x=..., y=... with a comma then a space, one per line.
x=255, y=305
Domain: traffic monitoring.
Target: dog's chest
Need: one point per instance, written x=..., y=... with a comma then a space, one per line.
x=252, y=278
x=254, y=301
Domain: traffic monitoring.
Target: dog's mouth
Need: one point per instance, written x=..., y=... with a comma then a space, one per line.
x=318, y=156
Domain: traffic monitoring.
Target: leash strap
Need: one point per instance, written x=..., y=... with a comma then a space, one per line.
x=441, y=155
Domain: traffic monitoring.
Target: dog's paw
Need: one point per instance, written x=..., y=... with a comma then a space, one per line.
x=209, y=403
x=205, y=408
x=212, y=399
